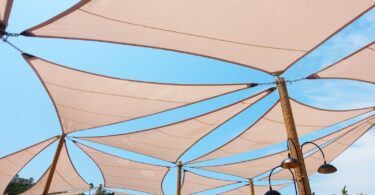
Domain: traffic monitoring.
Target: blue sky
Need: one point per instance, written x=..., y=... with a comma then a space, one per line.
x=27, y=114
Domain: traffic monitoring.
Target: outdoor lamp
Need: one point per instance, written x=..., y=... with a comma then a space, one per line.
x=290, y=162
x=324, y=168
x=274, y=192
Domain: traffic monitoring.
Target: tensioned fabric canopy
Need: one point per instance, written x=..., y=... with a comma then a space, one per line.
x=358, y=66
x=270, y=129
x=255, y=167
x=245, y=190
x=11, y=164
x=267, y=35
x=122, y=173
x=72, y=192
x=333, y=149
x=193, y=183
x=64, y=178
x=171, y=141
x=84, y=100
x=5, y=7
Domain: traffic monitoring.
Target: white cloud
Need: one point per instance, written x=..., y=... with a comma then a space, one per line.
x=335, y=94
x=355, y=169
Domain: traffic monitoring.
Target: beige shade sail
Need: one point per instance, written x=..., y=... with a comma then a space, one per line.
x=267, y=35
x=245, y=190
x=171, y=141
x=11, y=164
x=255, y=167
x=333, y=149
x=358, y=66
x=5, y=8
x=270, y=129
x=72, y=192
x=194, y=183
x=65, y=178
x=121, y=193
x=122, y=173
x=84, y=100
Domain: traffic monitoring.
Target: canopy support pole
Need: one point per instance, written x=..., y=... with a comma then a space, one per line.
x=54, y=163
x=296, y=152
x=251, y=186
x=179, y=169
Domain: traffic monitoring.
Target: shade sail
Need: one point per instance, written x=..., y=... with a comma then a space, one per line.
x=194, y=183
x=255, y=167
x=65, y=177
x=72, y=192
x=358, y=66
x=257, y=190
x=5, y=8
x=88, y=100
x=123, y=193
x=270, y=129
x=122, y=173
x=266, y=34
x=171, y=141
x=11, y=164
x=333, y=149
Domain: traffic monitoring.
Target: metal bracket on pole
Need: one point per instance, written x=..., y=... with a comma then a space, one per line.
x=296, y=152
x=54, y=163
x=179, y=173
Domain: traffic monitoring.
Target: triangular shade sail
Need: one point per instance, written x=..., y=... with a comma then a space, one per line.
x=194, y=183
x=120, y=193
x=5, y=8
x=264, y=34
x=270, y=129
x=72, y=192
x=333, y=149
x=245, y=190
x=11, y=164
x=171, y=141
x=358, y=66
x=122, y=173
x=84, y=100
x=64, y=179
x=255, y=167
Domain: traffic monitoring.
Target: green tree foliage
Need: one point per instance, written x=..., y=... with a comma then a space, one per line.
x=344, y=191
x=17, y=188
x=102, y=191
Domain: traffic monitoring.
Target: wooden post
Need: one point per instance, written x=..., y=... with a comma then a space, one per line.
x=251, y=186
x=301, y=174
x=179, y=170
x=2, y=29
x=54, y=163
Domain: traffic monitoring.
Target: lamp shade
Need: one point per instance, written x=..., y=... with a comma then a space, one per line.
x=327, y=169
x=290, y=163
x=272, y=192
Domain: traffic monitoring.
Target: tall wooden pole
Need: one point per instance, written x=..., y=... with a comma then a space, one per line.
x=179, y=170
x=251, y=186
x=54, y=163
x=2, y=29
x=301, y=174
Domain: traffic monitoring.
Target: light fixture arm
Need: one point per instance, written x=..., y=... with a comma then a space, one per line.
x=294, y=145
x=288, y=146
x=294, y=179
x=324, y=157
x=269, y=176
